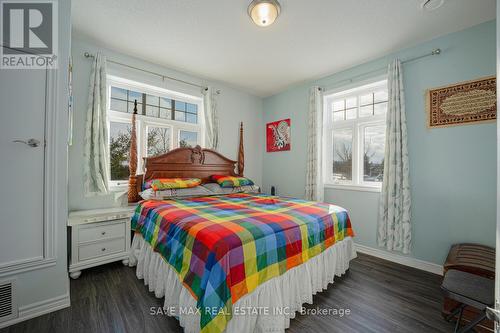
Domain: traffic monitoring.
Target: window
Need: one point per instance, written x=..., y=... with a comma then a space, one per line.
x=355, y=136
x=342, y=157
x=187, y=139
x=158, y=140
x=119, y=143
x=165, y=120
x=122, y=100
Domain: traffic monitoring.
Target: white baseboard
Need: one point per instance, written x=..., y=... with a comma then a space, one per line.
x=400, y=259
x=39, y=308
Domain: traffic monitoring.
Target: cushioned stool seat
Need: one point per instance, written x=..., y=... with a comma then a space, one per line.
x=469, y=290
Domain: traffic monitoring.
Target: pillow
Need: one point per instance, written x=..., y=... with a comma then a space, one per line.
x=216, y=189
x=197, y=191
x=229, y=181
x=171, y=183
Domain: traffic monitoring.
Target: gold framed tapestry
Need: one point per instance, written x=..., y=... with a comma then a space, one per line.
x=462, y=103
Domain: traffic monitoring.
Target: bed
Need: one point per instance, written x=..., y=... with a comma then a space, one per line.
x=236, y=263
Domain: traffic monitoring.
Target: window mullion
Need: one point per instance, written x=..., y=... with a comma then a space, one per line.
x=175, y=141
x=143, y=104
x=355, y=149
x=361, y=154
x=358, y=103
x=172, y=141
x=345, y=108
x=328, y=164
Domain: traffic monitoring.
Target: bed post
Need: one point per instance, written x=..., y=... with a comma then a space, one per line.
x=132, y=166
x=241, y=153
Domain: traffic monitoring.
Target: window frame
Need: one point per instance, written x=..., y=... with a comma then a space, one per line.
x=357, y=126
x=143, y=121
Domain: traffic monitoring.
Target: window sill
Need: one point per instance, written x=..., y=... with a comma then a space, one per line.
x=361, y=188
x=118, y=188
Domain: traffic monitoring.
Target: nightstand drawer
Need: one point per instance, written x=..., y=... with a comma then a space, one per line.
x=99, y=232
x=100, y=249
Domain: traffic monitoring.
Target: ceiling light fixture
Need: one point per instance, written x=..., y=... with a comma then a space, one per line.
x=430, y=5
x=264, y=12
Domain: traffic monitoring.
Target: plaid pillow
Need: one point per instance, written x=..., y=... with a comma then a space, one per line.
x=229, y=181
x=172, y=183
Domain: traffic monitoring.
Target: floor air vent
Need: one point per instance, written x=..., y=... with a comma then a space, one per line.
x=8, y=309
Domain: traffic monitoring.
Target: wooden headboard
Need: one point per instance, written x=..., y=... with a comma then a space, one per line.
x=194, y=162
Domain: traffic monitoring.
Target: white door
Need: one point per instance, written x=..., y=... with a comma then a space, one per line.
x=22, y=118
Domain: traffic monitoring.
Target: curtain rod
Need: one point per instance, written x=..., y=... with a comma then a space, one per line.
x=432, y=53
x=89, y=55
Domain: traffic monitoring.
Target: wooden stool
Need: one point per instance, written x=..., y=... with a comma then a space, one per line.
x=475, y=259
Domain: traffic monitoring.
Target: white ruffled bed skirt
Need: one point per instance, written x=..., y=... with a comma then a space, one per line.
x=268, y=308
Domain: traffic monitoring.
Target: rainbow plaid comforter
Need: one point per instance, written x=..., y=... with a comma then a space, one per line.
x=223, y=247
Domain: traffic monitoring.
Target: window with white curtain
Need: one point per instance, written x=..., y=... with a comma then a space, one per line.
x=354, y=136
x=165, y=120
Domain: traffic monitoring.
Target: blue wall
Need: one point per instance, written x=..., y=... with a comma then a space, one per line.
x=452, y=170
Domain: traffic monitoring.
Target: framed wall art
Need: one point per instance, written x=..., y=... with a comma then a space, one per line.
x=278, y=136
x=462, y=103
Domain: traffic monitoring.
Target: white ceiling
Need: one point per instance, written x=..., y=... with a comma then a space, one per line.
x=215, y=39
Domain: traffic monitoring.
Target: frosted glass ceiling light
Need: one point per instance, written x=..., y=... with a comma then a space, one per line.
x=264, y=12
x=430, y=5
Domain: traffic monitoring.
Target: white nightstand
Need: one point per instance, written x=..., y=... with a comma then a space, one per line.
x=98, y=237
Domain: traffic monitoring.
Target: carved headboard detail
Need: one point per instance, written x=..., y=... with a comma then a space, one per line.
x=194, y=162
x=197, y=155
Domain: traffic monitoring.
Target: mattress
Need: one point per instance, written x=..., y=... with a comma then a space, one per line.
x=224, y=248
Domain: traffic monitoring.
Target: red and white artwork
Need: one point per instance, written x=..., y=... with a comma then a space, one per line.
x=278, y=135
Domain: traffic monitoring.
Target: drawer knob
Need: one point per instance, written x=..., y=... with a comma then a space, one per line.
x=103, y=233
x=103, y=249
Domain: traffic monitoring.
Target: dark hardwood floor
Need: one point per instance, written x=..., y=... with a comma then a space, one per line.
x=381, y=296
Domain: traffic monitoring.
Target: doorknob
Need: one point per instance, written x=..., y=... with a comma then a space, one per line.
x=31, y=142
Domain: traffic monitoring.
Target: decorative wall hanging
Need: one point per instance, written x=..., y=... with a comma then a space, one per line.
x=462, y=103
x=278, y=135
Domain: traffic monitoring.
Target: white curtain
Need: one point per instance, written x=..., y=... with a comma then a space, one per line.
x=95, y=144
x=211, y=119
x=314, y=180
x=394, y=228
